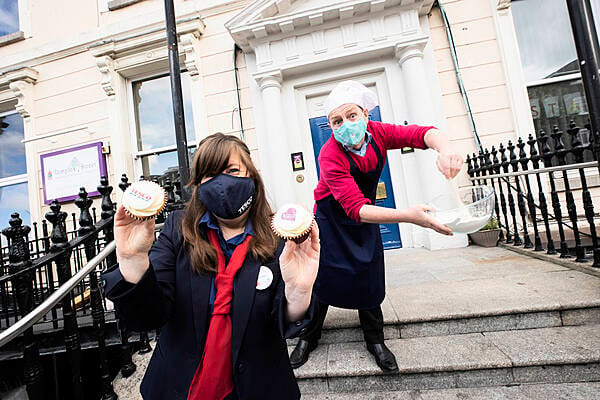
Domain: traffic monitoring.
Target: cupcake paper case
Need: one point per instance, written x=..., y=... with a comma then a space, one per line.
x=292, y=222
x=144, y=200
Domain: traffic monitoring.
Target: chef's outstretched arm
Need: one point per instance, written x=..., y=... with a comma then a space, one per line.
x=449, y=161
x=415, y=215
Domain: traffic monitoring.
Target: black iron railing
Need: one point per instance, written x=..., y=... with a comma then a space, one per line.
x=527, y=181
x=49, y=283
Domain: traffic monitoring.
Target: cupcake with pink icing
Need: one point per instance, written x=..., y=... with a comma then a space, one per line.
x=292, y=222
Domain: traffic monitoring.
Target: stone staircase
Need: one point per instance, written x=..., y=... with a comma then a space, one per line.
x=469, y=323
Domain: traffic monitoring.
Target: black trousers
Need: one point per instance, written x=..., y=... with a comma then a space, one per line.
x=371, y=322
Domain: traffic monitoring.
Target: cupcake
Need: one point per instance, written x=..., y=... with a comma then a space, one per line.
x=292, y=222
x=144, y=200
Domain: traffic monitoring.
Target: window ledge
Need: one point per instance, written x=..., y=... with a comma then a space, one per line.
x=12, y=38
x=116, y=4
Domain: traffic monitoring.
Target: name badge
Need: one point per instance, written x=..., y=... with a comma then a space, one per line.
x=265, y=278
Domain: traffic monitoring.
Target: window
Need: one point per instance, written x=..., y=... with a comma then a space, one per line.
x=155, y=130
x=550, y=65
x=9, y=17
x=14, y=196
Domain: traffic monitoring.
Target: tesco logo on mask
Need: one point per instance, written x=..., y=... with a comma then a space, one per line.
x=245, y=206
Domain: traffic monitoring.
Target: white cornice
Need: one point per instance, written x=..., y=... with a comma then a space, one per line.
x=79, y=43
x=17, y=84
x=116, y=47
x=503, y=4
x=25, y=74
x=127, y=55
x=254, y=22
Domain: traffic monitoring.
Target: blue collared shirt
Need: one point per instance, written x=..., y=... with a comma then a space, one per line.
x=208, y=221
x=363, y=149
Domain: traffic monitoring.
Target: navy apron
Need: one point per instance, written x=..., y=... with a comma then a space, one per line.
x=351, y=270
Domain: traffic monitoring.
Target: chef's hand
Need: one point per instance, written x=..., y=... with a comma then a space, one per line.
x=134, y=238
x=299, y=264
x=449, y=163
x=418, y=215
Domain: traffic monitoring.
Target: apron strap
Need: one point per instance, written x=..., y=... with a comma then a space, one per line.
x=353, y=165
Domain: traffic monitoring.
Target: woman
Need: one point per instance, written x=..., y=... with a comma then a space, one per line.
x=223, y=333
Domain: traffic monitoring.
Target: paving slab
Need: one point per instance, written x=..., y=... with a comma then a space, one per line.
x=490, y=323
x=351, y=359
x=476, y=281
x=563, y=391
x=569, y=288
x=581, y=316
x=317, y=365
x=554, y=346
x=557, y=373
x=447, y=353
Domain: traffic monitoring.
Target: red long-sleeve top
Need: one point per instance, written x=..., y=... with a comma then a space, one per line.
x=335, y=169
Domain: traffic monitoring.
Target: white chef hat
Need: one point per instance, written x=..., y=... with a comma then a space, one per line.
x=350, y=92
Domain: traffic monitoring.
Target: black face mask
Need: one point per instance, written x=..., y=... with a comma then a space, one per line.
x=227, y=196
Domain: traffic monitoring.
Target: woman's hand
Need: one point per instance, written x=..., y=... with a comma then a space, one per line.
x=134, y=238
x=299, y=264
x=449, y=163
x=418, y=215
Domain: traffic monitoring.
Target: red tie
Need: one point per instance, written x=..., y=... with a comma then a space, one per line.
x=214, y=378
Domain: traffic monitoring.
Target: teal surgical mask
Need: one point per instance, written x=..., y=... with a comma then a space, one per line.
x=351, y=133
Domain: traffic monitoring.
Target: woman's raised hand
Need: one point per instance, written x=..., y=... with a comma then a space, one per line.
x=299, y=263
x=134, y=238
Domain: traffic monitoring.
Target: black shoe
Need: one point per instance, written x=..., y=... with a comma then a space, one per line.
x=300, y=354
x=383, y=357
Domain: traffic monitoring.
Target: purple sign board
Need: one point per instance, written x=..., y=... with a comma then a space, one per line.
x=65, y=171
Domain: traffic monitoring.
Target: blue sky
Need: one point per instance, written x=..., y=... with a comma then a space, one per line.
x=12, y=151
x=9, y=16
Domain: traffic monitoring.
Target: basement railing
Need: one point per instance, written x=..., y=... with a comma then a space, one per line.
x=520, y=176
x=57, y=290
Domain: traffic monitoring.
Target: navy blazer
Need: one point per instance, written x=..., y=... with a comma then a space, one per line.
x=170, y=295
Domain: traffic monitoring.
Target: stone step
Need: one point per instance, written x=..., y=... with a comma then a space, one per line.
x=542, y=355
x=566, y=391
x=344, y=327
x=493, y=292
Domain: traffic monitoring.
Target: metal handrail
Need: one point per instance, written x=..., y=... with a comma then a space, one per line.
x=36, y=314
x=588, y=164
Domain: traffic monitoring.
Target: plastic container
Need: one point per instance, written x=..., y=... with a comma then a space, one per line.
x=465, y=211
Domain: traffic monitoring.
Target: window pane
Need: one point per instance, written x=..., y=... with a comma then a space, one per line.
x=14, y=198
x=558, y=104
x=163, y=166
x=9, y=20
x=154, y=112
x=12, y=151
x=545, y=38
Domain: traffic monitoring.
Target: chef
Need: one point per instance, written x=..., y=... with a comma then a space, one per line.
x=351, y=266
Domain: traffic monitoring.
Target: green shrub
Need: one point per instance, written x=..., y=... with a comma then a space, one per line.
x=492, y=224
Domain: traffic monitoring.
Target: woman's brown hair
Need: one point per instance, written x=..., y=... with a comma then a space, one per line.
x=211, y=158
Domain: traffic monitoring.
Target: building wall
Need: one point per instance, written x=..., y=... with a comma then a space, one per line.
x=69, y=91
x=483, y=73
x=72, y=86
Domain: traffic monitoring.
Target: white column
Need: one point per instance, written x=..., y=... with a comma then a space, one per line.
x=276, y=165
x=421, y=111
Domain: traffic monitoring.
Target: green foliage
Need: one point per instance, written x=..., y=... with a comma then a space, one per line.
x=492, y=224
